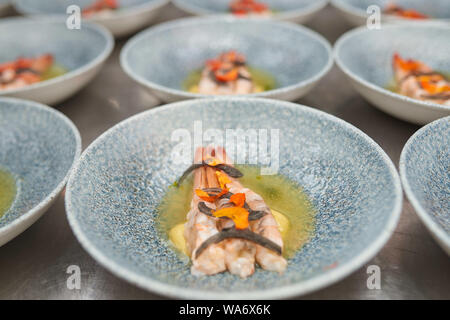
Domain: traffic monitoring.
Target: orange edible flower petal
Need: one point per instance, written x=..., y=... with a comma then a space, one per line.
x=223, y=179
x=238, y=199
x=214, y=64
x=204, y=195
x=231, y=75
x=412, y=14
x=430, y=87
x=237, y=214
x=211, y=161
x=407, y=65
x=208, y=198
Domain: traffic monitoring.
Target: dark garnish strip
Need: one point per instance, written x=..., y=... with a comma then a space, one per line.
x=233, y=233
x=229, y=170
x=437, y=96
x=188, y=171
x=253, y=215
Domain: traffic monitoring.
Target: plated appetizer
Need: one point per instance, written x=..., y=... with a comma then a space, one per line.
x=249, y=8
x=355, y=11
x=99, y=8
x=228, y=74
x=417, y=80
x=396, y=10
x=121, y=17
x=218, y=194
x=211, y=69
x=38, y=147
x=287, y=10
x=25, y=71
x=337, y=190
x=404, y=88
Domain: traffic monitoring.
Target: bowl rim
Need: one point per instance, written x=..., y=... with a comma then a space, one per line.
x=99, y=59
x=313, y=7
x=124, y=63
x=345, y=6
x=54, y=193
x=431, y=225
x=129, y=11
x=315, y=283
x=374, y=87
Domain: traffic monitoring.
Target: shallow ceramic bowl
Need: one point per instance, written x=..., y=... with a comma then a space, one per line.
x=132, y=16
x=365, y=57
x=425, y=173
x=300, y=11
x=38, y=146
x=82, y=52
x=355, y=11
x=113, y=193
x=4, y=7
x=161, y=58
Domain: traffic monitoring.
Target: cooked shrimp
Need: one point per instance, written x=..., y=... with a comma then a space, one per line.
x=417, y=80
x=24, y=71
x=239, y=254
x=228, y=74
x=266, y=226
x=199, y=227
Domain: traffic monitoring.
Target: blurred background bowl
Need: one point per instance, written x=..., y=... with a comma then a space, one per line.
x=82, y=52
x=355, y=11
x=113, y=193
x=162, y=57
x=5, y=6
x=38, y=147
x=299, y=11
x=425, y=173
x=131, y=16
x=365, y=57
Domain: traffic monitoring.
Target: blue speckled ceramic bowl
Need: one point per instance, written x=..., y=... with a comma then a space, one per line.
x=132, y=15
x=355, y=11
x=300, y=11
x=425, y=173
x=82, y=52
x=365, y=57
x=114, y=190
x=161, y=58
x=38, y=146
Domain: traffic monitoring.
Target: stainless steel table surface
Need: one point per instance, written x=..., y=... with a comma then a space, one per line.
x=33, y=265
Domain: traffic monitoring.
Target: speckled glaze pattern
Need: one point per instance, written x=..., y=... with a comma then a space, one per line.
x=436, y=9
x=79, y=51
x=60, y=6
x=117, y=185
x=365, y=56
x=131, y=16
x=425, y=172
x=161, y=58
x=290, y=10
x=38, y=146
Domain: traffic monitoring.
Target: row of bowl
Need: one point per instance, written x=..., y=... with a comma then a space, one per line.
x=137, y=14
x=115, y=187
x=160, y=58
